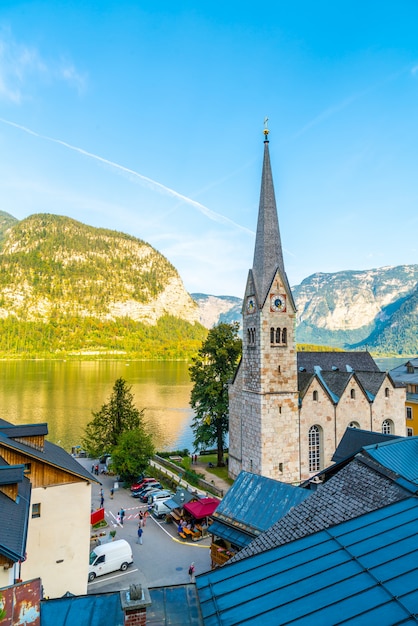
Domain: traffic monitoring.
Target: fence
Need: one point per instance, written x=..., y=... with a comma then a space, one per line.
x=184, y=475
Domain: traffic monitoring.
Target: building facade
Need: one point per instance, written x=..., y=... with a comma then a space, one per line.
x=286, y=412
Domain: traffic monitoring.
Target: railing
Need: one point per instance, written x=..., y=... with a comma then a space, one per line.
x=219, y=555
x=182, y=474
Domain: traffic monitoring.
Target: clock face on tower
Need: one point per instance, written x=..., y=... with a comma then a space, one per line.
x=278, y=302
x=251, y=304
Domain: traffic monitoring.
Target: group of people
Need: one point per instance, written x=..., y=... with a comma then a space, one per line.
x=194, y=459
x=183, y=523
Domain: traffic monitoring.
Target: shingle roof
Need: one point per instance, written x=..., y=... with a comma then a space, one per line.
x=357, y=361
x=14, y=514
x=362, y=571
x=342, y=497
x=252, y=505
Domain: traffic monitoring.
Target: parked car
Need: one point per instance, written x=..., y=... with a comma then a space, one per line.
x=160, y=509
x=144, y=496
x=110, y=557
x=146, y=490
x=143, y=483
x=160, y=495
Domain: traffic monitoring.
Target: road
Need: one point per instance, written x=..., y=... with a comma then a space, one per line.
x=162, y=559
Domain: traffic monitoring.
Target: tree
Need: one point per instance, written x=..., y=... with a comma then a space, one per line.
x=210, y=372
x=131, y=456
x=114, y=418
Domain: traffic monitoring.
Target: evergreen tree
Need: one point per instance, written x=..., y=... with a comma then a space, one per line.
x=210, y=372
x=112, y=420
x=131, y=456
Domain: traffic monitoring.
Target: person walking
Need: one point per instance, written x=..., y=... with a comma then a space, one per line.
x=101, y=501
x=140, y=531
x=111, y=493
x=122, y=515
x=144, y=519
x=140, y=519
x=191, y=572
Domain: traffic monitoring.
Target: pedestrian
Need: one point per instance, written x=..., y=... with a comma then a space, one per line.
x=101, y=502
x=101, y=493
x=191, y=572
x=140, y=519
x=122, y=515
x=140, y=531
x=144, y=520
x=92, y=469
x=111, y=493
x=96, y=470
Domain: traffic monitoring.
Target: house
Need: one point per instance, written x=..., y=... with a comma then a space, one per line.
x=57, y=526
x=407, y=374
x=288, y=410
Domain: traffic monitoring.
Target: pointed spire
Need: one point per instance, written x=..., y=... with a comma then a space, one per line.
x=268, y=256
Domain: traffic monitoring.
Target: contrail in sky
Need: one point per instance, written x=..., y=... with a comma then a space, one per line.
x=212, y=215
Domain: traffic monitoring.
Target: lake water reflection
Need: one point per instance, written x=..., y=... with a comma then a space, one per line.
x=64, y=394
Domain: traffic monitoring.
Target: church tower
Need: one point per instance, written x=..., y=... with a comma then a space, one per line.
x=263, y=397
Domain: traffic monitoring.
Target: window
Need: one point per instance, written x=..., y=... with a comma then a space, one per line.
x=315, y=396
x=284, y=335
x=353, y=394
x=278, y=336
x=354, y=425
x=386, y=392
x=271, y=335
x=27, y=468
x=387, y=427
x=314, y=448
x=251, y=336
x=408, y=413
x=409, y=432
x=36, y=509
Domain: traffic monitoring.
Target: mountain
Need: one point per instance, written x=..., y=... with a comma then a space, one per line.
x=375, y=309
x=216, y=309
x=55, y=265
x=70, y=288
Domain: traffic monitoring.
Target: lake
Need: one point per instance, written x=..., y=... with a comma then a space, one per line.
x=64, y=394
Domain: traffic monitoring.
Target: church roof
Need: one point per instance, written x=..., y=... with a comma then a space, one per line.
x=354, y=439
x=268, y=254
x=337, y=361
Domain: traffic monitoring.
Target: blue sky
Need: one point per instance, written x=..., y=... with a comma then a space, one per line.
x=147, y=116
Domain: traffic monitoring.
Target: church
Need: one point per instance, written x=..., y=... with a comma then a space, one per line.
x=288, y=410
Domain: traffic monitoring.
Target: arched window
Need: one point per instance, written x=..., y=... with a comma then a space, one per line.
x=277, y=335
x=271, y=335
x=353, y=394
x=314, y=448
x=354, y=425
x=249, y=335
x=386, y=392
x=315, y=396
x=284, y=335
x=387, y=427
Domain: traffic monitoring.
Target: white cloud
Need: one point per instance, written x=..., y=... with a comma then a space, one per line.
x=20, y=63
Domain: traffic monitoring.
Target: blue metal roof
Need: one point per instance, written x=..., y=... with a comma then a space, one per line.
x=94, y=610
x=254, y=503
x=363, y=571
x=234, y=535
x=399, y=456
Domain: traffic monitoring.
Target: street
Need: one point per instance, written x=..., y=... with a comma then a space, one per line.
x=162, y=559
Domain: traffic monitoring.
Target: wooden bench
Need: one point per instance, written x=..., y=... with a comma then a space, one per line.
x=182, y=535
x=175, y=516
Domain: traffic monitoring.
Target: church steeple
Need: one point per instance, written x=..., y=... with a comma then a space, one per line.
x=268, y=255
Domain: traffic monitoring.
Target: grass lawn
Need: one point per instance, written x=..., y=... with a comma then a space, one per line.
x=220, y=472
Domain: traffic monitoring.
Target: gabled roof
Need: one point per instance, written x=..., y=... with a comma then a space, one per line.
x=401, y=374
x=342, y=497
x=51, y=454
x=14, y=513
x=252, y=505
x=354, y=439
x=181, y=497
x=399, y=457
x=362, y=571
x=334, y=361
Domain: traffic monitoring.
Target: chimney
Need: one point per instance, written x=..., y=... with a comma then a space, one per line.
x=134, y=603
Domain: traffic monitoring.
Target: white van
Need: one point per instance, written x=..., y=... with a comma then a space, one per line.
x=110, y=557
x=160, y=509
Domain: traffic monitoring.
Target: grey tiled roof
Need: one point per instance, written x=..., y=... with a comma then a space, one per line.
x=356, y=489
x=357, y=361
x=14, y=514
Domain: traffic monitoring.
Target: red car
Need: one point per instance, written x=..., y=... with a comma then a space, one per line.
x=143, y=483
